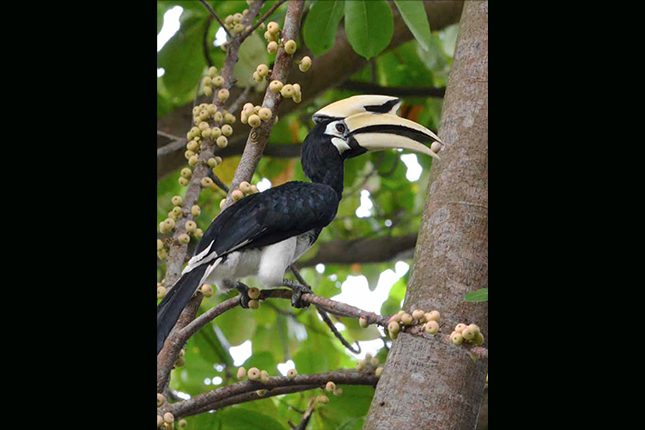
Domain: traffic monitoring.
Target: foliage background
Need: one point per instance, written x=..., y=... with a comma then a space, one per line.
x=277, y=332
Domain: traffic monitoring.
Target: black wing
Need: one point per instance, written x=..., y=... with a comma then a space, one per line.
x=269, y=217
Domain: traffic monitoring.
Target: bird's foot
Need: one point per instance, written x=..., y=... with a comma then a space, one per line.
x=244, y=294
x=298, y=291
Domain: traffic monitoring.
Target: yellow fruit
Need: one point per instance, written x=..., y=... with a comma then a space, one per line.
x=265, y=114
x=222, y=142
x=254, y=121
x=241, y=373
x=418, y=315
x=432, y=327
x=275, y=86
x=273, y=27
x=432, y=316
x=287, y=91
x=206, y=290
x=406, y=319
x=262, y=70
x=305, y=64
x=468, y=333
x=393, y=327
x=272, y=47
x=363, y=322
x=290, y=46
x=237, y=195
x=254, y=374
x=223, y=94
x=183, y=238
x=245, y=187
x=457, y=338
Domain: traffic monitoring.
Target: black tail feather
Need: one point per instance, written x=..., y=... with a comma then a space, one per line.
x=175, y=301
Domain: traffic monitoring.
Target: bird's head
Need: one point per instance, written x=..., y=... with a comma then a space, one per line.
x=360, y=124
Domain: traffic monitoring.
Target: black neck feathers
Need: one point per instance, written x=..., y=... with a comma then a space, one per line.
x=321, y=161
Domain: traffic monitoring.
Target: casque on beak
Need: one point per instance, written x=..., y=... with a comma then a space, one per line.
x=372, y=122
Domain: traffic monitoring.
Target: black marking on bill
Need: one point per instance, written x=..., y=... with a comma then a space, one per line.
x=384, y=108
x=396, y=129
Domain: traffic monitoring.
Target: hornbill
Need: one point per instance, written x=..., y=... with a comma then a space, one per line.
x=264, y=233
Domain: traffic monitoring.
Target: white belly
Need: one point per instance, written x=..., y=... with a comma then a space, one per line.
x=269, y=264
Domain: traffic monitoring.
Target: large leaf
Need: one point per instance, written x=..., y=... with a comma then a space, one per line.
x=414, y=16
x=244, y=419
x=321, y=25
x=252, y=53
x=369, y=26
x=183, y=56
x=480, y=295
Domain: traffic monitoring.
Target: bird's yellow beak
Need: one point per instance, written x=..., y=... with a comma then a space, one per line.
x=372, y=122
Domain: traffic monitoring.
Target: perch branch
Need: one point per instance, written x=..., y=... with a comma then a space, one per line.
x=245, y=391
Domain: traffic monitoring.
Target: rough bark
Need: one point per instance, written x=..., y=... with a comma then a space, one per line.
x=429, y=385
x=328, y=70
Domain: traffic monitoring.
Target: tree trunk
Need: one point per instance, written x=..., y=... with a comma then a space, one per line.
x=428, y=384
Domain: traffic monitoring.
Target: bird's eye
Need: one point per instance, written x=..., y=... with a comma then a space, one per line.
x=340, y=127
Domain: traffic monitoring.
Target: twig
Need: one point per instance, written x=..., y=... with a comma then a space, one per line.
x=277, y=385
x=205, y=47
x=171, y=147
x=218, y=181
x=325, y=316
x=262, y=19
x=306, y=417
x=258, y=137
x=236, y=104
x=169, y=136
x=212, y=11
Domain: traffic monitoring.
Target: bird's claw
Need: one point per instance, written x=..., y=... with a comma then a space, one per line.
x=298, y=291
x=244, y=294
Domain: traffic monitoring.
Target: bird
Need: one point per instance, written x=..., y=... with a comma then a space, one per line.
x=264, y=233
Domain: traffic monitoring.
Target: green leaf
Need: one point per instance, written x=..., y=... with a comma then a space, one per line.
x=414, y=16
x=252, y=52
x=244, y=419
x=321, y=25
x=183, y=56
x=237, y=325
x=480, y=295
x=369, y=26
